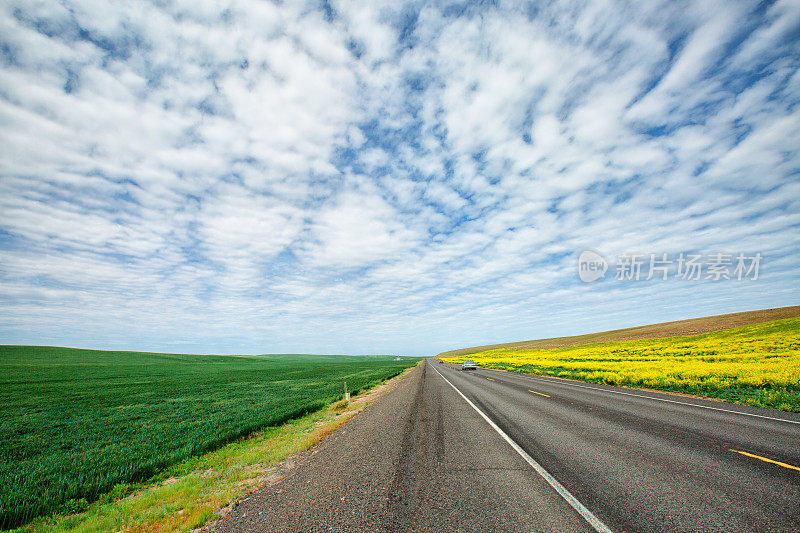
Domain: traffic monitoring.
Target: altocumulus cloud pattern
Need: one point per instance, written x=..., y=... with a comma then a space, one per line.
x=368, y=177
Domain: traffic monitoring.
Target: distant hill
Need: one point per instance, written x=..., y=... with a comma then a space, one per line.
x=678, y=328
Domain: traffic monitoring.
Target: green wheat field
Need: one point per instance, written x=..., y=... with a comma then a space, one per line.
x=75, y=423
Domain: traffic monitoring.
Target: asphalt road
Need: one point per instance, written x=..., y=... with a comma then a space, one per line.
x=541, y=455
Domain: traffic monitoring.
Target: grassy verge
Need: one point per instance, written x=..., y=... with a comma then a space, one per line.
x=199, y=489
x=755, y=365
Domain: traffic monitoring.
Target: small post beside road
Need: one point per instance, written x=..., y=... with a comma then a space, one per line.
x=346, y=394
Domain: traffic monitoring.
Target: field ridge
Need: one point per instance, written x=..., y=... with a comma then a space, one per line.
x=675, y=328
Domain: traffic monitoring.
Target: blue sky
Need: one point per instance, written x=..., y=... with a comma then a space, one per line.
x=370, y=177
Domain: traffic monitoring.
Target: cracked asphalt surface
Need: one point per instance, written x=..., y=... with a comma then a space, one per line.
x=421, y=459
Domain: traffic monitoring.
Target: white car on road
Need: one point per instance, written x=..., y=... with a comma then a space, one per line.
x=469, y=365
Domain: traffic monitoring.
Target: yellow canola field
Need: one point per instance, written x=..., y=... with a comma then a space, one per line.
x=757, y=364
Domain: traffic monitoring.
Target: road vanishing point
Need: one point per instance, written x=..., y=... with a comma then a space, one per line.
x=487, y=451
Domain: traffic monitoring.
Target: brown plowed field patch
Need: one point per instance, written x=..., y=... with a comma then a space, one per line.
x=678, y=328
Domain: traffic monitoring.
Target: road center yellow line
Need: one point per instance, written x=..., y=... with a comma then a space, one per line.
x=539, y=393
x=490, y=379
x=766, y=460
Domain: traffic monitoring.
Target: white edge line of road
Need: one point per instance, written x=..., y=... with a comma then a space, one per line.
x=542, y=380
x=593, y=521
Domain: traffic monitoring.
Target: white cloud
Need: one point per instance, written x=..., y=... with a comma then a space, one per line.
x=357, y=229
